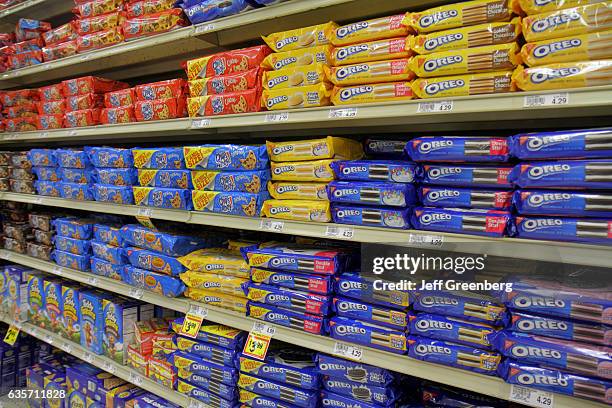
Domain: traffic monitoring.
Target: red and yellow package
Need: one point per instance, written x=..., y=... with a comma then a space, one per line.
x=44, y=122
x=97, y=7
x=90, y=84
x=25, y=124
x=81, y=118
x=20, y=111
x=370, y=30
x=60, y=34
x=172, y=88
x=85, y=101
x=122, y=97
x=123, y=114
x=223, y=84
x=102, y=22
x=51, y=92
x=226, y=104
x=35, y=44
x=23, y=96
x=98, y=40
x=153, y=23
x=60, y=50
x=25, y=59
x=159, y=109
x=226, y=63
x=140, y=8
x=51, y=107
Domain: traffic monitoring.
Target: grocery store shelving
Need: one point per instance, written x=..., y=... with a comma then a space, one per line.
x=583, y=103
x=35, y=9
x=551, y=251
x=459, y=378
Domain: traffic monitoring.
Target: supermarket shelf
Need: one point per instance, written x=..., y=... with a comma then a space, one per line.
x=35, y=9
x=584, y=103
x=550, y=251
x=433, y=372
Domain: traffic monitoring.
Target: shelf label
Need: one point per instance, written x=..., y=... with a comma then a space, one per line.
x=193, y=321
x=144, y=212
x=10, y=136
x=277, y=117
x=34, y=332
x=200, y=123
x=435, y=107
x=72, y=133
x=333, y=231
x=531, y=397
x=108, y=367
x=57, y=270
x=257, y=345
x=47, y=338
x=136, y=293
x=43, y=134
x=349, y=351
x=262, y=328
x=7, y=256
x=85, y=57
x=37, y=200
x=554, y=99
x=426, y=240
x=342, y=113
x=204, y=28
x=93, y=281
x=194, y=403
x=88, y=357
x=67, y=347
x=273, y=226
x=135, y=379
x=11, y=335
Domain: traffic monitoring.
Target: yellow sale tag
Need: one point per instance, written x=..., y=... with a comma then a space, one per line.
x=11, y=335
x=191, y=325
x=256, y=346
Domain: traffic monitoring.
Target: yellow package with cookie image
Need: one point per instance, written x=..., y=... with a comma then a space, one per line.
x=392, y=48
x=214, y=298
x=531, y=7
x=330, y=147
x=594, y=46
x=368, y=30
x=463, y=85
x=316, y=170
x=287, y=190
x=299, y=97
x=370, y=72
x=304, y=37
x=294, y=76
x=564, y=75
x=229, y=285
x=370, y=93
x=297, y=210
x=298, y=58
x=210, y=260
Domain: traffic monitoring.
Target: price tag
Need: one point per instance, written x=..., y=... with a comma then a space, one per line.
x=144, y=212
x=262, y=328
x=256, y=345
x=333, y=231
x=108, y=367
x=85, y=57
x=72, y=133
x=271, y=225
x=531, y=397
x=277, y=117
x=193, y=321
x=11, y=335
x=43, y=134
x=88, y=357
x=136, y=293
x=193, y=403
x=93, y=281
x=561, y=98
x=7, y=256
x=435, y=107
x=204, y=28
x=10, y=136
x=57, y=270
x=37, y=200
x=34, y=332
x=200, y=123
x=342, y=113
x=349, y=351
x=426, y=240
x=67, y=347
x=47, y=338
x=135, y=379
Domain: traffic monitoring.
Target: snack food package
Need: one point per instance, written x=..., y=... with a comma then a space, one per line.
x=107, y=269
x=224, y=374
x=460, y=149
x=464, y=305
x=99, y=39
x=557, y=202
x=315, y=170
x=372, y=193
x=224, y=104
x=393, y=48
x=161, y=284
x=286, y=190
x=593, y=46
x=240, y=181
x=374, y=314
x=68, y=260
x=592, y=230
x=81, y=118
x=212, y=283
x=172, y=88
x=230, y=203
x=120, y=98
x=51, y=107
x=297, y=97
x=74, y=175
x=368, y=30
x=207, y=351
x=34, y=44
x=108, y=253
x=25, y=124
x=580, y=174
x=285, y=365
x=226, y=157
x=46, y=173
x=303, y=150
x=369, y=72
x=299, y=258
x=453, y=197
x=112, y=158
x=28, y=29
x=76, y=191
x=20, y=111
x=222, y=84
x=372, y=216
x=124, y=114
x=23, y=96
x=289, y=299
x=294, y=76
x=42, y=157
x=452, y=329
x=163, y=197
x=154, y=261
x=159, y=109
x=216, y=334
x=169, y=244
x=63, y=33
x=218, y=299
x=345, y=369
x=96, y=7
x=46, y=188
x=72, y=227
x=317, y=284
x=108, y=234
x=158, y=158
x=493, y=223
x=113, y=194
x=74, y=246
x=341, y=328
x=85, y=26
x=466, y=176
x=142, y=7
x=354, y=286
x=152, y=24
x=226, y=63
x=25, y=59
x=213, y=9
x=81, y=102
x=375, y=170
x=202, y=395
x=380, y=396
x=372, y=93
x=288, y=318
x=215, y=260
x=51, y=93
x=563, y=75
x=305, y=37
x=299, y=210
x=298, y=58
x=164, y=178
x=90, y=84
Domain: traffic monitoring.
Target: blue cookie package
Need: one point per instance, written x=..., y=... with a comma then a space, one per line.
x=289, y=299
x=219, y=335
x=76, y=191
x=258, y=401
x=110, y=157
x=446, y=328
x=169, y=244
x=113, y=194
x=80, y=176
x=382, y=316
x=175, y=198
x=372, y=193
x=375, y=170
x=318, y=284
x=204, y=396
x=161, y=284
x=385, y=148
x=371, y=335
x=213, y=9
x=104, y=268
x=226, y=157
x=206, y=351
x=354, y=286
x=74, y=246
x=371, y=216
x=296, y=396
x=492, y=223
x=464, y=305
x=109, y=253
x=224, y=374
x=285, y=317
x=564, y=144
x=158, y=158
x=301, y=258
x=379, y=396
x=42, y=157
x=228, y=392
x=47, y=173
x=231, y=181
x=73, y=227
x=354, y=371
x=591, y=174
x=47, y=188
x=561, y=202
x=590, y=231
x=289, y=365
x=76, y=159
x=164, y=178
x=68, y=260
x=457, y=197
x=116, y=177
x=109, y=234
x=333, y=400
x=458, y=149
x=243, y=204
x=465, y=175
x=154, y=261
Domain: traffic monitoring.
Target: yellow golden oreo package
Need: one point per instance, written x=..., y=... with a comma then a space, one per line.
x=298, y=97
x=462, y=85
x=213, y=261
x=530, y=7
x=594, y=46
x=221, y=283
x=316, y=170
x=313, y=149
x=391, y=48
x=370, y=72
x=304, y=37
x=564, y=75
x=297, y=210
x=294, y=76
x=214, y=298
x=288, y=190
x=368, y=30
x=370, y=93
x=298, y=58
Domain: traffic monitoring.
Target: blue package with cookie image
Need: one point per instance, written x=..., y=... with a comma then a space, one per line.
x=237, y=181
x=168, y=244
x=107, y=269
x=223, y=374
x=47, y=188
x=214, y=9
x=372, y=193
x=226, y=157
x=379, y=396
x=68, y=260
x=207, y=397
x=387, y=217
x=318, y=284
x=76, y=159
x=109, y=234
x=367, y=334
x=159, y=283
x=355, y=286
x=463, y=175
x=113, y=194
x=244, y=204
x=288, y=318
x=362, y=311
x=354, y=371
x=300, y=397
x=375, y=170
x=447, y=328
x=110, y=157
x=164, y=178
x=286, y=365
x=109, y=253
x=159, y=197
x=206, y=351
x=579, y=174
x=333, y=400
x=223, y=390
x=80, y=176
x=75, y=191
x=458, y=149
x=158, y=158
x=72, y=245
x=464, y=305
x=254, y=400
x=73, y=227
x=42, y=157
x=116, y=177
x=47, y=173
x=154, y=261
x=289, y=299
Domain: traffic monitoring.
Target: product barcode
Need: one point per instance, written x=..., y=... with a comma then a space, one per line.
x=274, y=226
x=135, y=379
x=203, y=28
x=432, y=107
x=200, y=123
x=427, y=240
x=342, y=113
x=145, y=212
x=555, y=99
x=72, y=133
x=534, y=100
x=136, y=293
x=67, y=347
x=108, y=367
x=88, y=357
x=196, y=404
x=198, y=310
x=48, y=339
x=264, y=329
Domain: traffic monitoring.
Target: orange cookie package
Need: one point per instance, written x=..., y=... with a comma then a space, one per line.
x=25, y=59
x=101, y=39
x=60, y=50
x=102, y=22
x=51, y=107
x=20, y=111
x=223, y=84
x=44, y=122
x=90, y=84
x=140, y=8
x=225, y=63
x=60, y=34
x=123, y=114
x=96, y=7
x=34, y=44
x=226, y=104
x=80, y=118
x=122, y=97
x=20, y=124
x=153, y=23
x=51, y=92
x=85, y=101
x=172, y=88
x=20, y=97
x=159, y=109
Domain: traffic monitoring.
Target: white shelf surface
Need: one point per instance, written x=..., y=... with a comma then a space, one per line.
x=446, y=375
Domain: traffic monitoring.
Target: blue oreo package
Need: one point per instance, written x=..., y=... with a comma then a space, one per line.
x=387, y=217
x=113, y=194
x=354, y=309
x=73, y=227
x=285, y=317
x=107, y=269
x=169, y=244
x=158, y=158
x=74, y=246
x=354, y=286
x=379, y=396
x=289, y=299
x=301, y=258
x=453, y=355
x=212, y=10
x=207, y=397
x=76, y=159
x=206, y=351
x=375, y=170
x=110, y=157
x=175, y=198
x=354, y=371
x=81, y=176
x=228, y=392
x=563, y=144
x=226, y=157
x=217, y=334
x=556, y=381
x=354, y=331
x=253, y=400
x=372, y=193
x=590, y=230
x=465, y=175
x=109, y=253
x=164, y=178
x=591, y=174
x=318, y=284
x=292, y=395
x=243, y=204
x=68, y=260
x=42, y=157
x=196, y=365
x=108, y=234
x=458, y=149
x=47, y=173
x=231, y=181
x=468, y=306
x=47, y=188
x=447, y=328
x=294, y=367
x=385, y=148
x=490, y=223
x=116, y=177
x=154, y=261
x=155, y=282
x=457, y=197
x=561, y=202
x=333, y=400
x=75, y=191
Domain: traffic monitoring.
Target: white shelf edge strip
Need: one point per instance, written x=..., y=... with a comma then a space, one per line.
x=446, y=375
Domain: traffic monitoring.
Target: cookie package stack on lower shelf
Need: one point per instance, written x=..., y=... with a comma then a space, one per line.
x=76, y=173
x=114, y=174
x=21, y=176
x=73, y=242
x=109, y=257
x=48, y=175
x=41, y=244
x=301, y=171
